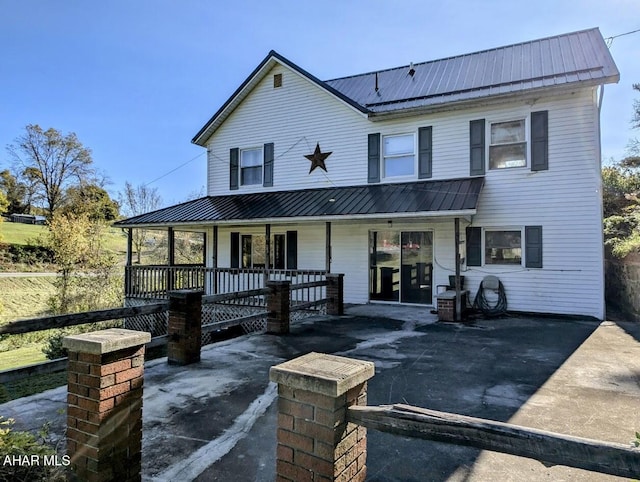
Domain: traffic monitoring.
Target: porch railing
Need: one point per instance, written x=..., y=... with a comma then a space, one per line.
x=154, y=282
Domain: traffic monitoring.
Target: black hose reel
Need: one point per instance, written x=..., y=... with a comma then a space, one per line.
x=494, y=307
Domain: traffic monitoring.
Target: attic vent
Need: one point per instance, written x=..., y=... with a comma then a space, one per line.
x=277, y=81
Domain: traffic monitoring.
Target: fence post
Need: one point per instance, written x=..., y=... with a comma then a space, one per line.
x=104, y=404
x=185, y=327
x=335, y=294
x=315, y=442
x=278, y=301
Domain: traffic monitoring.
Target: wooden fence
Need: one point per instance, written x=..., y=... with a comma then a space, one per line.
x=156, y=281
x=313, y=295
x=307, y=385
x=547, y=447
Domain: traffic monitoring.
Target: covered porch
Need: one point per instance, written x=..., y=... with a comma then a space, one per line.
x=385, y=239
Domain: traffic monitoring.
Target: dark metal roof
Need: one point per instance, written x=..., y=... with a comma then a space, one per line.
x=553, y=61
x=436, y=197
x=577, y=57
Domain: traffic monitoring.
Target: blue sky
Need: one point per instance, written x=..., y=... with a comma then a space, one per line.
x=135, y=80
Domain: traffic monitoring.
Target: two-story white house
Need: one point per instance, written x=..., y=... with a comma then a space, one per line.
x=365, y=175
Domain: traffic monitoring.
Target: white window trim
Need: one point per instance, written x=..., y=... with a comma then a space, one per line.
x=409, y=177
x=527, y=138
x=500, y=229
x=241, y=150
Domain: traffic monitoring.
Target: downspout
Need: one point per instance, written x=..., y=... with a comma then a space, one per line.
x=601, y=205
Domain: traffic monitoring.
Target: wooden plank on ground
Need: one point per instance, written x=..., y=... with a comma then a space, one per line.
x=547, y=447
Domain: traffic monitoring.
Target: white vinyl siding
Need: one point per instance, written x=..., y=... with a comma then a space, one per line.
x=564, y=200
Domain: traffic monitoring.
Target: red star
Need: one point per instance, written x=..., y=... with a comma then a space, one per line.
x=317, y=158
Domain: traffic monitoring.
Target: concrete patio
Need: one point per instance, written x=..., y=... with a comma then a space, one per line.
x=215, y=420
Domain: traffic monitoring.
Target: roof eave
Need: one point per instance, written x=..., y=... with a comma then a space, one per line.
x=492, y=99
x=307, y=219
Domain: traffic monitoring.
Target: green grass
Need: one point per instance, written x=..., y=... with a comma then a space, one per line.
x=116, y=243
x=24, y=297
x=31, y=385
x=19, y=233
x=22, y=356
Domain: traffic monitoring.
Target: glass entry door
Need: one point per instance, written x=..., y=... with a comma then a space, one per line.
x=401, y=266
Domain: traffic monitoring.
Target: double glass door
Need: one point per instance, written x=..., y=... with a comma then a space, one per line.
x=401, y=266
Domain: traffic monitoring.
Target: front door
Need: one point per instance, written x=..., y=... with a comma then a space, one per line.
x=401, y=266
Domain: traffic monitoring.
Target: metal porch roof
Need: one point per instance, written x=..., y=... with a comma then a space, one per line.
x=424, y=197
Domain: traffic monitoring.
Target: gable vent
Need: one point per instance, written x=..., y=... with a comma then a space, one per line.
x=277, y=81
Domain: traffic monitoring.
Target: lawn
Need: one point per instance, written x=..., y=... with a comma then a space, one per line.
x=24, y=297
x=22, y=356
x=29, y=234
x=22, y=234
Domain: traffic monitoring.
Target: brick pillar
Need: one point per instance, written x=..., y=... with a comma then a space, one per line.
x=314, y=440
x=278, y=307
x=185, y=327
x=335, y=294
x=104, y=404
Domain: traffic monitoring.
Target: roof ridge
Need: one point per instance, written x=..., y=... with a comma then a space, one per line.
x=463, y=55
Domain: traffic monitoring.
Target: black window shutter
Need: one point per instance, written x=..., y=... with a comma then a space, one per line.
x=474, y=246
x=292, y=249
x=425, y=152
x=234, y=155
x=268, y=165
x=235, y=250
x=476, y=147
x=533, y=246
x=540, y=140
x=374, y=158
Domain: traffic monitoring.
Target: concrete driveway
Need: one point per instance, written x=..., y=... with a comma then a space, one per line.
x=215, y=420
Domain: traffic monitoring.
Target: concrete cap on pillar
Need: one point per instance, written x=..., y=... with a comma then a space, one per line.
x=321, y=373
x=105, y=341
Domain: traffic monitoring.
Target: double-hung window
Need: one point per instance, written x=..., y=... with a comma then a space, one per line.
x=503, y=247
x=250, y=166
x=398, y=155
x=508, y=146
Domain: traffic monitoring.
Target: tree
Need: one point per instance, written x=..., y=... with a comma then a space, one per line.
x=91, y=200
x=51, y=162
x=621, y=197
x=87, y=278
x=636, y=109
x=16, y=193
x=135, y=201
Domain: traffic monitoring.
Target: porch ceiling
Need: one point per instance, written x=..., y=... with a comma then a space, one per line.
x=436, y=198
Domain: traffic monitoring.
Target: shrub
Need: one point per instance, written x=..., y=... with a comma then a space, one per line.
x=18, y=445
x=53, y=348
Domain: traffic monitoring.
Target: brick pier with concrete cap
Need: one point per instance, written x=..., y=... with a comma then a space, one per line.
x=315, y=442
x=104, y=404
x=184, y=327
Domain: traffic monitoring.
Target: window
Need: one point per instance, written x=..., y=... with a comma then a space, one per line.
x=250, y=166
x=503, y=247
x=508, y=146
x=398, y=155
x=249, y=251
x=253, y=251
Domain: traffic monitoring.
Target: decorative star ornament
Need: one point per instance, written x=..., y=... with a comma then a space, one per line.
x=317, y=158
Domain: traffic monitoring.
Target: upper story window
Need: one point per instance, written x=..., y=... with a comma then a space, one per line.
x=250, y=166
x=508, y=146
x=398, y=155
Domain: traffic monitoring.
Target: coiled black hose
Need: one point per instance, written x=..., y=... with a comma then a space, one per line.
x=481, y=302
